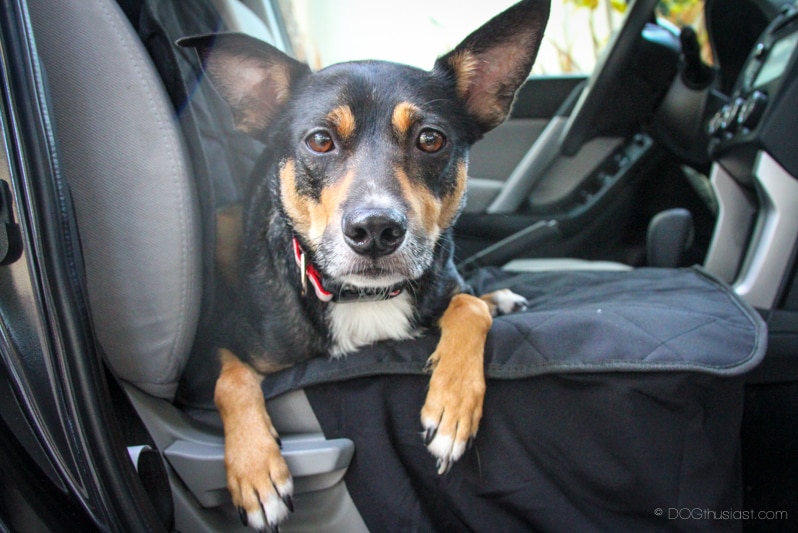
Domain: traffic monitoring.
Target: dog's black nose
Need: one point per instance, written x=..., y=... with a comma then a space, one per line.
x=374, y=231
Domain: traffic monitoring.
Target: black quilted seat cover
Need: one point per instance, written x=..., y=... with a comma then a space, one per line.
x=648, y=320
x=613, y=404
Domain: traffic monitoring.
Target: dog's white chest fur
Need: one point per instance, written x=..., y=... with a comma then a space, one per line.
x=359, y=324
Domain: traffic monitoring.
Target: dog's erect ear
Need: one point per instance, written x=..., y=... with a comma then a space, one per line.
x=491, y=64
x=252, y=76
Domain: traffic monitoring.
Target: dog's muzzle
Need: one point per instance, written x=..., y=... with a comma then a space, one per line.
x=375, y=232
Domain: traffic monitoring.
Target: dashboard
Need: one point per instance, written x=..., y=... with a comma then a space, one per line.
x=761, y=113
x=762, y=73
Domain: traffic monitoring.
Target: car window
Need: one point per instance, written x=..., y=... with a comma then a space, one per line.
x=417, y=31
x=682, y=13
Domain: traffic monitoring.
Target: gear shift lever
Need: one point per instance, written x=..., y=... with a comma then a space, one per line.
x=670, y=233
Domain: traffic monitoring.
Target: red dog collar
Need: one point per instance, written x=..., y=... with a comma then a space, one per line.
x=308, y=272
x=345, y=293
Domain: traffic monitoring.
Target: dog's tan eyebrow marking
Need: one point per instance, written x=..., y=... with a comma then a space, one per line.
x=404, y=116
x=343, y=120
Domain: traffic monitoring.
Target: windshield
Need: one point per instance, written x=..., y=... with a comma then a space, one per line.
x=415, y=32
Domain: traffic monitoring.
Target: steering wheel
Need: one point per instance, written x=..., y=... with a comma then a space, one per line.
x=599, y=86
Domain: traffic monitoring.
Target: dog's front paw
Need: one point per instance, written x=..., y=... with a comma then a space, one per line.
x=504, y=302
x=452, y=410
x=259, y=482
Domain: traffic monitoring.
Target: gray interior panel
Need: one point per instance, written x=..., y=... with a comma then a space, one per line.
x=193, y=449
x=481, y=192
x=530, y=169
x=736, y=212
x=774, y=234
x=567, y=173
x=496, y=155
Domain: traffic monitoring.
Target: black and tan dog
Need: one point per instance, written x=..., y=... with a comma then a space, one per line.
x=348, y=234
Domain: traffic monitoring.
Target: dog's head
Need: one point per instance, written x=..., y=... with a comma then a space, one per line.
x=373, y=155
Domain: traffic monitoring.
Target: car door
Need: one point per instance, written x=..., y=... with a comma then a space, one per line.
x=494, y=158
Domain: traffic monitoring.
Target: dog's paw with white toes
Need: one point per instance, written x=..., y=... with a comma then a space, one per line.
x=261, y=487
x=504, y=302
x=443, y=447
x=270, y=510
x=452, y=412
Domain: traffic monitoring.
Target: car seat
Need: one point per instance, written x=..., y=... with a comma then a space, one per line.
x=141, y=215
x=146, y=204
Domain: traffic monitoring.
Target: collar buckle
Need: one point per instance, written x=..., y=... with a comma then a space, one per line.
x=303, y=274
x=307, y=272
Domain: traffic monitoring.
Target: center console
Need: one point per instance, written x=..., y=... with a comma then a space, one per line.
x=755, y=156
x=754, y=149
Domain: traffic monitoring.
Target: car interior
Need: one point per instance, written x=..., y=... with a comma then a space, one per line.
x=656, y=159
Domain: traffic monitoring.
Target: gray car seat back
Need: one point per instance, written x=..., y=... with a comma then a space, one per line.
x=147, y=183
x=122, y=153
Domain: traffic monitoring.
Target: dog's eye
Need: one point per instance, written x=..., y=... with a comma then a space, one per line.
x=320, y=142
x=430, y=141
